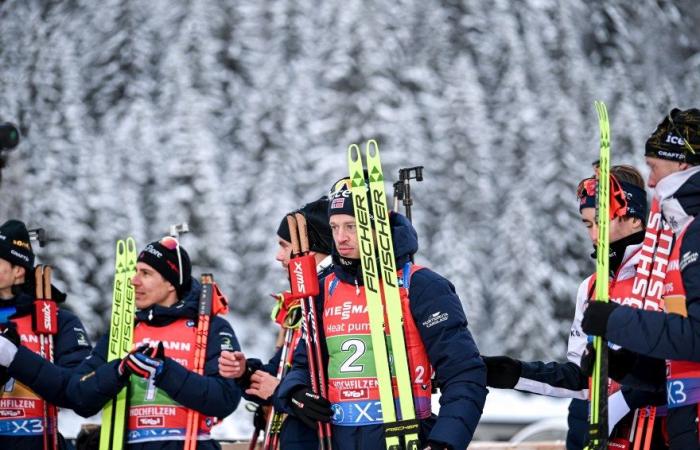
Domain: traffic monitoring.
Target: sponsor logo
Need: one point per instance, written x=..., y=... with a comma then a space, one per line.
x=226, y=343
x=81, y=337
x=150, y=422
x=435, y=319
x=46, y=312
x=150, y=249
x=354, y=394
x=22, y=244
x=170, y=345
x=189, y=324
x=19, y=255
x=688, y=258
x=346, y=309
x=11, y=413
x=299, y=276
x=673, y=139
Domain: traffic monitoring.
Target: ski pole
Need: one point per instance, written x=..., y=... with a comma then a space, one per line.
x=46, y=325
x=304, y=283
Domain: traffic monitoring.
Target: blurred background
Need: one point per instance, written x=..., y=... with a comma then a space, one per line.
x=226, y=115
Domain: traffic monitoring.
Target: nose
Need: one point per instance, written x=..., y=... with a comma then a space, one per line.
x=651, y=181
x=593, y=234
x=135, y=280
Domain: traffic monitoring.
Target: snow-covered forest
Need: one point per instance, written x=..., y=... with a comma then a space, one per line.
x=227, y=114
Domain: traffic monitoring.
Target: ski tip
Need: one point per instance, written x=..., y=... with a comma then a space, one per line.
x=372, y=148
x=354, y=152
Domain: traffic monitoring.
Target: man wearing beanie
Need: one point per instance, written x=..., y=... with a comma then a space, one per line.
x=259, y=380
x=672, y=154
x=436, y=331
x=25, y=385
x=157, y=370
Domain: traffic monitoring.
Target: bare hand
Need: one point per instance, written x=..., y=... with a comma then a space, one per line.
x=231, y=364
x=262, y=384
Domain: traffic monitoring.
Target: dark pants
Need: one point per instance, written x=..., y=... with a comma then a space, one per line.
x=578, y=424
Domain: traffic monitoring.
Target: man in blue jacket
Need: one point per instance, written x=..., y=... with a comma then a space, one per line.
x=161, y=387
x=439, y=341
x=22, y=421
x=673, y=156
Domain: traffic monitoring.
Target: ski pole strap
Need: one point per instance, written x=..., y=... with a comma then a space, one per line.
x=401, y=427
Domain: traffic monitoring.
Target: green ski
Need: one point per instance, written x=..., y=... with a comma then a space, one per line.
x=120, y=341
x=598, y=421
x=408, y=426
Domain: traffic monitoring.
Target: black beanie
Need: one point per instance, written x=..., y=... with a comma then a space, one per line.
x=15, y=246
x=283, y=230
x=317, y=227
x=162, y=256
x=677, y=137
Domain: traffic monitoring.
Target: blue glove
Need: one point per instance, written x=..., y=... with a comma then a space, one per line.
x=145, y=362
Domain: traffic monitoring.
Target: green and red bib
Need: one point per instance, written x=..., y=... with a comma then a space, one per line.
x=353, y=387
x=153, y=415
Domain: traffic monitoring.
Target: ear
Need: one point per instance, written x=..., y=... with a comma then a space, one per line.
x=19, y=273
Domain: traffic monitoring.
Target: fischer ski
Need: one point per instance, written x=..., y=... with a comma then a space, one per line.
x=403, y=433
x=598, y=417
x=114, y=415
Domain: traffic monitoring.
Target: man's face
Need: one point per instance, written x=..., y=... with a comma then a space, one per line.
x=9, y=276
x=151, y=288
x=660, y=168
x=284, y=252
x=345, y=235
x=619, y=227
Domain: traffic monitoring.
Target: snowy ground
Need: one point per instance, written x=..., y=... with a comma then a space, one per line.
x=508, y=410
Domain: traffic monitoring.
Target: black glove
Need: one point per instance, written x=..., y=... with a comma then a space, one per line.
x=595, y=317
x=620, y=362
x=251, y=365
x=10, y=333
x=502, y=371
x=310, y=408
x=432, y=445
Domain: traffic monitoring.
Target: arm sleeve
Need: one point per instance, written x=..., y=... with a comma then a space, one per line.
x=209, y=394
x=462, y=379
x=49, y=380
x=661, y=335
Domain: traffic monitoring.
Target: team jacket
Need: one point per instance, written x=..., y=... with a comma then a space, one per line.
x=29, y=384
x=442, y=326
x=671, y=336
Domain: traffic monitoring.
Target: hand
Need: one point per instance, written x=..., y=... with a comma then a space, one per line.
x=262, y=384
x=502, y=371
x=310, y=408
x=232, y=364
x=432, y=445
x=9, y=341
x=620, y=362
x=144, y=361
x=595, y=317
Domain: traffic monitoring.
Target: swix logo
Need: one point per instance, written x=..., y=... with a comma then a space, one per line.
x=673, y=139
x=354, y=394
x=46, y=312
x=150, y=249
x=299, y=277
x=11, y=413
x=346, y=309
x=150, y=422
